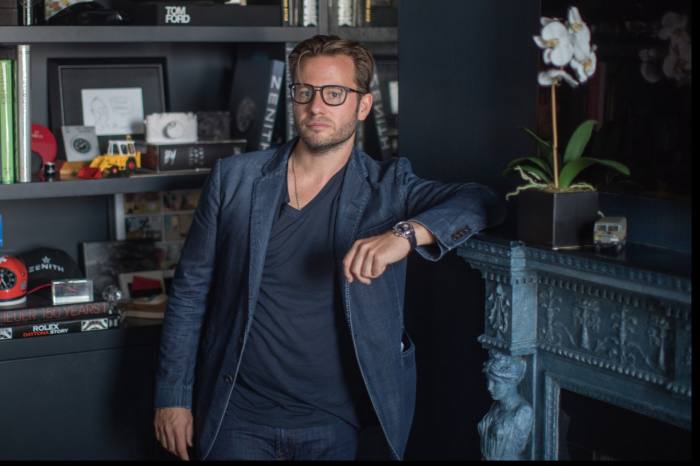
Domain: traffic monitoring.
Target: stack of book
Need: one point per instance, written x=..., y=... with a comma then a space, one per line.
x=43, y=320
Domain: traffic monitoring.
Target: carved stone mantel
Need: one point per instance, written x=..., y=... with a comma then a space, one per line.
x=617, y=329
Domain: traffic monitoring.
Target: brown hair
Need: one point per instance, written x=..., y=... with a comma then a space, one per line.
x=334, y=45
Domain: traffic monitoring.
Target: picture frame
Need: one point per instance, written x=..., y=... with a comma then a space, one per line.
x=112, y=94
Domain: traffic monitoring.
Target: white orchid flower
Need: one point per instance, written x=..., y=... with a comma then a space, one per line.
x=580, y=34
x=556, y=42
x=675, y=67
x=554, y=77
x=650, y=72
x=672, y=24
x=586, y=67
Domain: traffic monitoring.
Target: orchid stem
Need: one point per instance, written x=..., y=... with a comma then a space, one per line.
x=555, y=136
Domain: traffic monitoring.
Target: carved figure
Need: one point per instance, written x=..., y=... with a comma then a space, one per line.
x=505, y=429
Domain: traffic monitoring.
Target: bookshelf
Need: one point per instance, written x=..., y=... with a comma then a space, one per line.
x=107, y=186
x=106, y=378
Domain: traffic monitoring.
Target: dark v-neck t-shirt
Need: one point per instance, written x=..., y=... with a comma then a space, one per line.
x=298, y=367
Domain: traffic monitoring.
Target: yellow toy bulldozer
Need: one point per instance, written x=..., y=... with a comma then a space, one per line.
x=122, y=158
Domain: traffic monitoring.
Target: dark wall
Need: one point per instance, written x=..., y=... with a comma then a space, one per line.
x=468, y=74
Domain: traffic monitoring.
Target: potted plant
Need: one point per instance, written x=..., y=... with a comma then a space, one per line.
x=555, y=208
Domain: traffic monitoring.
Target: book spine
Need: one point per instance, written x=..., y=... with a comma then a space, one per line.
x=7, y=127
x=368, y=13
x=11, y=317
x=345, y=17
x=285, y=13
x=58, y=328
x=380, y=117
x=27, y=12
x=309, y=13
x=291, y=130
x=357, y=13
x=24, y=118
x=273, y=97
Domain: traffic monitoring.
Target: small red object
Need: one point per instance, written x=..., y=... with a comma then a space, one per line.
x=89, y=173
x=44, y=143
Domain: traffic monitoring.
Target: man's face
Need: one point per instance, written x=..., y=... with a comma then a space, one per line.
x=322, y=127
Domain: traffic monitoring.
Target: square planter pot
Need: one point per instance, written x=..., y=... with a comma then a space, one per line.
x=557, y=220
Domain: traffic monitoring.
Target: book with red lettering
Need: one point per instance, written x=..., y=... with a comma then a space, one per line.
x=46, y=313
x=40, y=329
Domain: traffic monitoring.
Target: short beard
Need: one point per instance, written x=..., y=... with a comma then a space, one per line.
x=328, y=146
x=346, y=132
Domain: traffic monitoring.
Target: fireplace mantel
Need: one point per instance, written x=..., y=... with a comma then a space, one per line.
x=613, y=328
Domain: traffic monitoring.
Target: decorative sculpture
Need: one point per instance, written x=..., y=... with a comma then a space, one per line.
x=505, y=429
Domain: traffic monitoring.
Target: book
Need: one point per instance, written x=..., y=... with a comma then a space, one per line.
x=40, y=329
x=156, y=314
x=257, y=86
x=47, y=313
x=309, y=13
x=379, y=115
x=7, y=126
x=191, y=13
x=189, y=155
x=291, y=130
x=344, y=13
x=24, y=116
x=152, y=308
x=285, y=13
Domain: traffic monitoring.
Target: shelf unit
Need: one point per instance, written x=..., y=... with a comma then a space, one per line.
x=64, y=214
x=52, y=36
x=153, y=34
x=105, y=186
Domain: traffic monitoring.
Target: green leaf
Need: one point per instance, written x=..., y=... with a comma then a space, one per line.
x=536, y=160
x=622, y=168
x=579, y=140
x=544, y=148
x=571, y=170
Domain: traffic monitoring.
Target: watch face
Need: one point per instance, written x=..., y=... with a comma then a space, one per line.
x=7, y=279
x=404, y=228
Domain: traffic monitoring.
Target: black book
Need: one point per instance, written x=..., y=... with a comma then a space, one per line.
x=40, y=329
x=48, y=313
x=257, y=86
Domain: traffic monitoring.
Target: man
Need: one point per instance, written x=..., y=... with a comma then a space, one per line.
x=296, y=259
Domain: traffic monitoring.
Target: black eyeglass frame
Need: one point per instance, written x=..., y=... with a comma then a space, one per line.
x=321, y=88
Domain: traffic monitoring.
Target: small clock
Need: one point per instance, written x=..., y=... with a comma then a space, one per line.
x=13, y=281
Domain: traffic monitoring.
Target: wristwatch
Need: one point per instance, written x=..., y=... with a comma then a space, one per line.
x=405, y=230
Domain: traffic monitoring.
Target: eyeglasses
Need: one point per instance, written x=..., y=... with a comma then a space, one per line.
x=331, y=94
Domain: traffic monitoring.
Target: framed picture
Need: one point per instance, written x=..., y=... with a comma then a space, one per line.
x=103, y=261
x=113, y=95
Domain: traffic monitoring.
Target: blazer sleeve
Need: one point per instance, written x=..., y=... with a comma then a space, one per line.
x=187, y=300
x=452, y=212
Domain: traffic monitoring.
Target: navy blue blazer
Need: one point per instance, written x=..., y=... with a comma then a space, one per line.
x=215, y=288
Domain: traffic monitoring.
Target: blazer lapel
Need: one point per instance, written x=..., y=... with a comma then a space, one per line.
x=266, y=195
x=354, y=196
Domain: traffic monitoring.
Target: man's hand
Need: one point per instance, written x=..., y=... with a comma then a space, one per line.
x=368, y=258
x=174, y=430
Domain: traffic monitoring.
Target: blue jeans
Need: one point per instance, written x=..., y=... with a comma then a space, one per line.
x=242, y=440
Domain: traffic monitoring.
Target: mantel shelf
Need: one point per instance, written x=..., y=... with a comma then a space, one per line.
x=73, y=188
x=121, y=34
